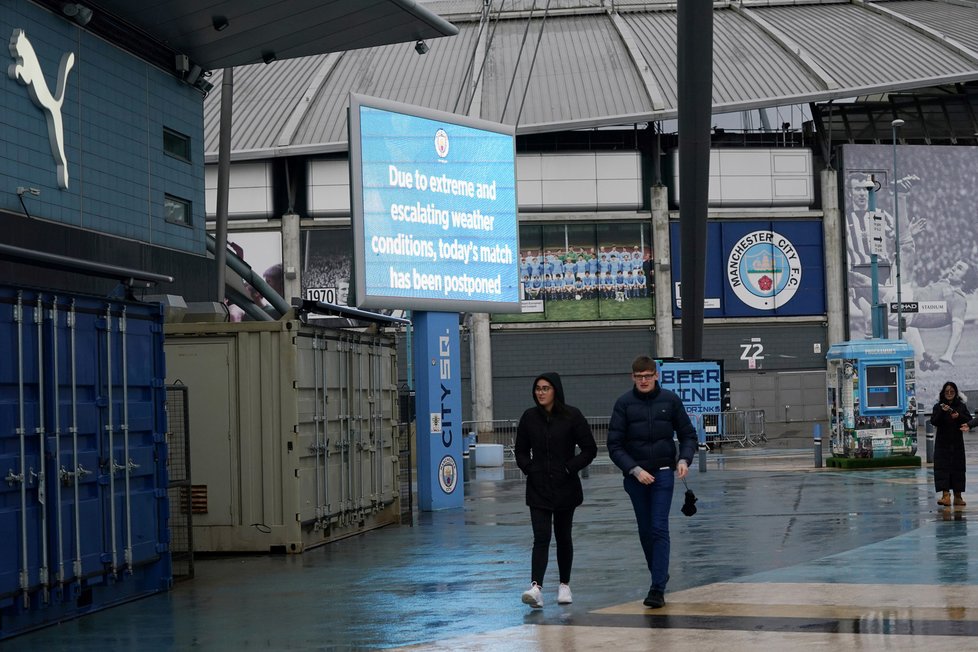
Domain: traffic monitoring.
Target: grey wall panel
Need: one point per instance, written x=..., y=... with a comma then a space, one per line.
x=593, y=364
x=778, y=346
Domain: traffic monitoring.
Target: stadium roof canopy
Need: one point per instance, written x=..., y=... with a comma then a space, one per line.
x=223, y=33
x=603, y=63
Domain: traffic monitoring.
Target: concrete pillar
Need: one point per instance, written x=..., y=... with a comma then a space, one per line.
x=481, y=368
x=662, y=272
x=835, y=256
x=291, y=259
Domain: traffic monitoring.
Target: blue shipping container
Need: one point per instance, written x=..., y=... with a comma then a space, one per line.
x=83, y=486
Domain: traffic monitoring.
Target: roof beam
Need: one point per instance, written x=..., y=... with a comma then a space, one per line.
x=641, y=65
x=302, y=106
x=790, y=46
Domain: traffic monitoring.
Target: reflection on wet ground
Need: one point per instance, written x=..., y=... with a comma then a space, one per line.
x=779, y=555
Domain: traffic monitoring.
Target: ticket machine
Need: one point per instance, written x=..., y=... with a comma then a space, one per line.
x=871, y=398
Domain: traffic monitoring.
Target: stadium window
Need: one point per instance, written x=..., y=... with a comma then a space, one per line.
x=176, y=210
x=176, y=144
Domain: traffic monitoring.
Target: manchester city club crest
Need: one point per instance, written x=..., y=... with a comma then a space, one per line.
x=441, y=143
x=764, y=270
x=448, y=474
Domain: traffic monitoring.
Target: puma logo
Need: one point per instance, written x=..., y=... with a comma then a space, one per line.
x=27, y=70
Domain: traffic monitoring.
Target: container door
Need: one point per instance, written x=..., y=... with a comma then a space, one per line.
x=21, y=495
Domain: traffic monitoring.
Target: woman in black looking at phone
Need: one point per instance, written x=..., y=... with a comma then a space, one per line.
x=950, y=418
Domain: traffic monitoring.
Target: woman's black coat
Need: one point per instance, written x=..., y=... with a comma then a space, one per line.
x=545, y=451
x=949, y=459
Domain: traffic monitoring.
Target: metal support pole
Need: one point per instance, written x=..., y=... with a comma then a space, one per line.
x=878, y=310
x=701, y=436
x=896, y=219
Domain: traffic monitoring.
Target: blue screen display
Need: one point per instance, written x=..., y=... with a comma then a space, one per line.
x=434, y=211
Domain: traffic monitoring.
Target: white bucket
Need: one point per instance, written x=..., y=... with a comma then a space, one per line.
x=488, y=454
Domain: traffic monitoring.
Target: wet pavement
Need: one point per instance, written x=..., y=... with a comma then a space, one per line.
x=780, y=555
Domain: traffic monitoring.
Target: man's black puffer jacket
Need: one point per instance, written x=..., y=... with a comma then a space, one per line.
x=545, y=451
x=641, y=427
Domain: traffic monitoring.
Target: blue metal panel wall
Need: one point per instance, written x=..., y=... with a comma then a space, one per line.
x=785, y=253
x=115, y=108
x=83, y=502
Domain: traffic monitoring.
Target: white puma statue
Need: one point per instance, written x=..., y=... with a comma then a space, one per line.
x=27, y=70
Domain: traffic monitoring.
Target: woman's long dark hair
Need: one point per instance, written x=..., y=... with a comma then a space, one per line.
x=957, y=394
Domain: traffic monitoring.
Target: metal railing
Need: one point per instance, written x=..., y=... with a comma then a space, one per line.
x=740, y=427
x=499, y=431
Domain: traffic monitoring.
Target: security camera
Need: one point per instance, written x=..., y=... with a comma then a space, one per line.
x=22, y=190
x=421, y=47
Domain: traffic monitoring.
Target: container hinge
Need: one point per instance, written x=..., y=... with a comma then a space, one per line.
x=160, y=493
x=162, y=547
x=12, y=477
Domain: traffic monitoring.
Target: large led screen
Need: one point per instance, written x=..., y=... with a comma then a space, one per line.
x=433, y=201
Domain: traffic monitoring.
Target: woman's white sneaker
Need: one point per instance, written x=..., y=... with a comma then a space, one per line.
x=564, y=594
x=533, y=596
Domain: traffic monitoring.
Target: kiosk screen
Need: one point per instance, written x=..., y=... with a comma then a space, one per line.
x=881, y=386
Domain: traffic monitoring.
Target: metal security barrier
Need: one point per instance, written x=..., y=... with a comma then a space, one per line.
x=741, y=427
x=500, y=431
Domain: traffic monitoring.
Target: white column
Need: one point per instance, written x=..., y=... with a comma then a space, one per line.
x=291, y=263
x=662, y=266
x=835, y=256
x=481, y=366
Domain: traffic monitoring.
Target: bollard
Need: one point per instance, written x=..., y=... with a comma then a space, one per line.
x=818, y=445
x=702, y=449
x=929, y=436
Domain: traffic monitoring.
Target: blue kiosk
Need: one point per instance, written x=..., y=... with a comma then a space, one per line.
x=872, y=399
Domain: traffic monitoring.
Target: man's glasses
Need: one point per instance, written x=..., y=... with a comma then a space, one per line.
x=643, y=378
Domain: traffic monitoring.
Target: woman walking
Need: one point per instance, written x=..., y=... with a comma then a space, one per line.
x=951, y=418
x=546, y=439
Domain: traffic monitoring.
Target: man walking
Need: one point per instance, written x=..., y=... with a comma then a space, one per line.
x=640, y=443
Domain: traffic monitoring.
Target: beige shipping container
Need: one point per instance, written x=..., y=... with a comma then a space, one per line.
x=292, y=431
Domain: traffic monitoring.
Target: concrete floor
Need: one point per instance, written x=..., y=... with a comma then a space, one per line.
x=779, y=556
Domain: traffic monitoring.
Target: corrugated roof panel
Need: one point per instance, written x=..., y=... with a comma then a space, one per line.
x=582, y=72
x=446, y=7
x=264, y=97
x=748, y=64
x=540, y=5
x=862, y=48
x=955, y=21
x=394, y=72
